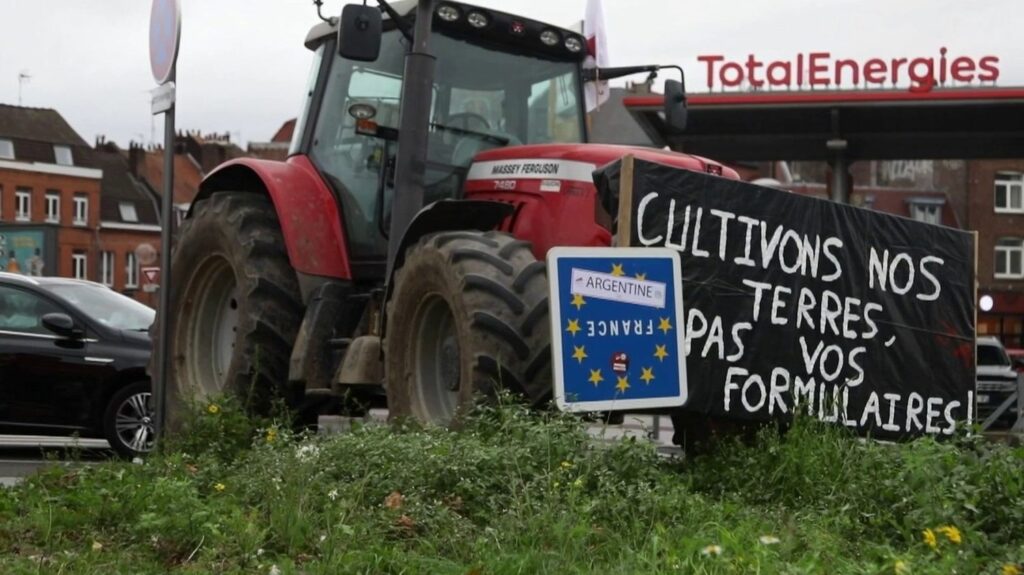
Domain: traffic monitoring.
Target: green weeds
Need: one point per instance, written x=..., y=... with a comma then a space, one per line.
x=518, y=492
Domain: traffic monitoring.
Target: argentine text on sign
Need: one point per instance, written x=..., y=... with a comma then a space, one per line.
x=621, y=289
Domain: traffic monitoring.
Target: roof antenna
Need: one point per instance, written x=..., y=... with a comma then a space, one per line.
x=23, y=78
x=319, y=4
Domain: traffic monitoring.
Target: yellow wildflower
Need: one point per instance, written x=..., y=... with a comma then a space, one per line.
x=219, y=487
x=951, y=533
x=900, y=568
x=929, y=538
x=1010, y=569
x=271, y=435
x=566, y=465
x=578, y=483
x=213, y=408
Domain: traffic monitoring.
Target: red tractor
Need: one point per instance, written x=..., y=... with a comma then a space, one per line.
x=325, y=275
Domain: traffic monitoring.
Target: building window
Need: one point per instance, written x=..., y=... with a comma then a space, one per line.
x=63, y=155
x=927, y=213
x=53, y=207
x=1010, y=258
x=81, y=210
x=79, y=265
x=132, y=271
x=180, y=213
x=107, y=268
x=1010, y=192
x=128, y=213
x=6, y=150
x=23, y=205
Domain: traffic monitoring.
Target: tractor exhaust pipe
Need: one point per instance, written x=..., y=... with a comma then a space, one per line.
x=414, y=124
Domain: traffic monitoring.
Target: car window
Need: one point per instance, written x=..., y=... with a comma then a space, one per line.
x=22, y=311
x=992, y=355
x=105, y=305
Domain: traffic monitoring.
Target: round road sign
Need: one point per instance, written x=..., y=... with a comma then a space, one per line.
x=164, y=36
x=146, y=254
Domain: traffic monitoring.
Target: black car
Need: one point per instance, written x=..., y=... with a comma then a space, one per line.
x=73, y=358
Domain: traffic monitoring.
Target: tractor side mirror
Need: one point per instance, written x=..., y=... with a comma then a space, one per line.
x=359, y=33
x=675, y=106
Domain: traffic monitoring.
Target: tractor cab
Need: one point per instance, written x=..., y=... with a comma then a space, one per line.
x=499, y=80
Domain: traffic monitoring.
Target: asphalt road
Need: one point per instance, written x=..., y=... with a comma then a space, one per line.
x=23, y=455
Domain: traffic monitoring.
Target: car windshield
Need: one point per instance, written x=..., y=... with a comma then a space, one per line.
x=106, y=306
x=992, y=355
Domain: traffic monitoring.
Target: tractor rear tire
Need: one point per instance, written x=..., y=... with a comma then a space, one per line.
x=469, y=314
x=236, y=306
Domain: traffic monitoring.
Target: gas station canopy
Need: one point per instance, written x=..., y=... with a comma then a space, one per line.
x=954, y=123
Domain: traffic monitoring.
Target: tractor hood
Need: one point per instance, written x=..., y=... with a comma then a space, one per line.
x=551, y=187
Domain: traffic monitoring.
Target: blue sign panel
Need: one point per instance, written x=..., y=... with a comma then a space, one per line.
x=617, y=321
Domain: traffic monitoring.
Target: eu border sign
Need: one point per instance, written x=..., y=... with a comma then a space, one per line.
x=617, y=329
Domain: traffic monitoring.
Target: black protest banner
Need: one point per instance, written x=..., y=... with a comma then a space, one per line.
x=795, y=303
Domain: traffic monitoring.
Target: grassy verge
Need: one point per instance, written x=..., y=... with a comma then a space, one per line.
x=516, y=492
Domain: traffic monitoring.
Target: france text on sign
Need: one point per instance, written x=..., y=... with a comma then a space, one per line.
x=617, y=333
x=799, y=304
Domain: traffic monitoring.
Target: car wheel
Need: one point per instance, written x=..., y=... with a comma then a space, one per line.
x=128, y=420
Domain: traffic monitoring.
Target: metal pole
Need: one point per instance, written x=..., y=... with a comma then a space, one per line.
x=413, y=129
x=840, y=192
x=164, y=305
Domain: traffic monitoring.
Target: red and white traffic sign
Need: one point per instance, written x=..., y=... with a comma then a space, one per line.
x=164, y=37
x=150, y=278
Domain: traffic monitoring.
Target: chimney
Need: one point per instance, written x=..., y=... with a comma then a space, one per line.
x=135, y=158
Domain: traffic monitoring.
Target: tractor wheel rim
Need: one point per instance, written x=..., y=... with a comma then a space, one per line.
x=133, y=422
x=211, y=341
x=437, y=366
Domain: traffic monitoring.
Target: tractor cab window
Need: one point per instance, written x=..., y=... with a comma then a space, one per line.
x=483, y=98
x=554, y=110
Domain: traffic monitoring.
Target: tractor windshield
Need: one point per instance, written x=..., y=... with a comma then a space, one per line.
x=483, y=98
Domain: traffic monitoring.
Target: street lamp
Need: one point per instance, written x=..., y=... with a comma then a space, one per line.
x=986, y=303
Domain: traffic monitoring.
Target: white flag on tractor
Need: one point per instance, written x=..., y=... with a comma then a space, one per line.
x=597, y=52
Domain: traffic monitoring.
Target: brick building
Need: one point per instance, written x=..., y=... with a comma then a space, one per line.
x=277, y=147
x=49, y=195
x=67, y=209
x=995, y=209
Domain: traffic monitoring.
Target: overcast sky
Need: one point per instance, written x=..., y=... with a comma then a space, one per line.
x=242, y=64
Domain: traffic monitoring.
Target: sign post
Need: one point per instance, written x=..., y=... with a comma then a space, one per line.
x=617, y=328
x=164, y=38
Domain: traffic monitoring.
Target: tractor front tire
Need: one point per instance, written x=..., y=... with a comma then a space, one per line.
x=468, y=315
x=236, y=306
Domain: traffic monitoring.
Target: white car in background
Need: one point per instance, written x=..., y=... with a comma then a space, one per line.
x=996, y=380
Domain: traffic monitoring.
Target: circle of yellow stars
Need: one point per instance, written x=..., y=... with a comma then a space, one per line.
x=580, y=353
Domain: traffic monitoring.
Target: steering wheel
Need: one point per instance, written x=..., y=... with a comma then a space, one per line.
x=466, y=117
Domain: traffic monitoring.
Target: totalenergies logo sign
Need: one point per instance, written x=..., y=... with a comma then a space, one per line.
x=821, y=70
